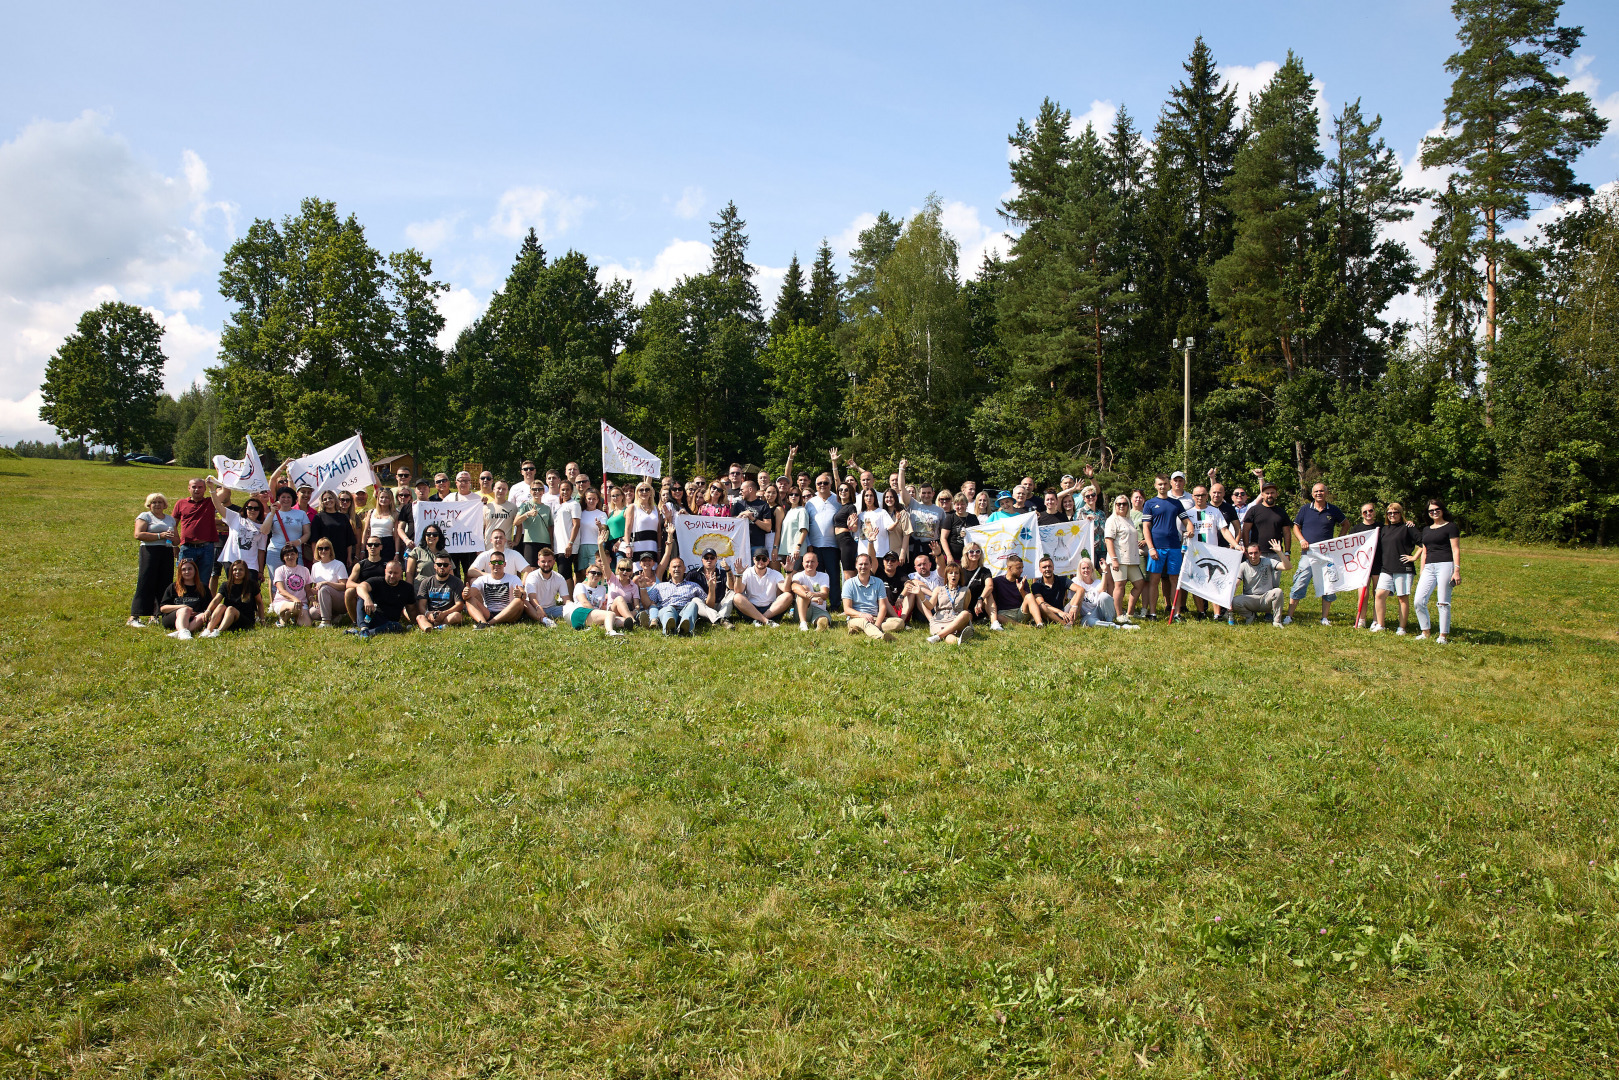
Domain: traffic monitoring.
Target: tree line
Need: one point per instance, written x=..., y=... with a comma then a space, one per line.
x=1251, y=236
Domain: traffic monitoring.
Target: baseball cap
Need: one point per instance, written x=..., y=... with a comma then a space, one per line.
x=649, y=556
x=1177, y=475
x=891, y=555
x=710, y=551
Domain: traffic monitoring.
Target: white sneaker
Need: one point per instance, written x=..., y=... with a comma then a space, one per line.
x=324, y=624
x=772, y=623
x=996, y=626
x=803, y=626
x=1400, y=632
x=1375, y=628
x=613, y=633
x=933, y=639
x=1278, y=622
x=209, y=633
x=549, y=623
x=134, y=623
x=1326, y=622
x=1287, y=620
x=1442, y=640
x=181, y=635
x=759, y=623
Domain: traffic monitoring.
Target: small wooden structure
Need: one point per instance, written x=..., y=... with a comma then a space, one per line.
x=386, y=467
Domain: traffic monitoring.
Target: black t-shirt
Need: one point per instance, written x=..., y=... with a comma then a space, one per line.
x=1393, y=542
x=976, y=580
x=1436, y=540
x=1008, y=597
x=895, y=585
x=197, y=601
x=757, y=537
x=1267, y=523
x=846, y=517
x=1052, y=519
x=1055, y=594
x=953, y=524
x=244, y=597
x=700, y=575
x=967, y=521
x=368, y=570
x=391, y=600
x=1228, y=512
x=336, y=528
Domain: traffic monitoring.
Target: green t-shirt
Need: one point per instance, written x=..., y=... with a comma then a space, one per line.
x=536, y=529
x=615, y=526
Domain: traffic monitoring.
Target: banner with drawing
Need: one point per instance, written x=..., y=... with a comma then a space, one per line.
x=1066, y=542
x=342, y=466
x=1342, y=563
x=621, y=454
x=245, y=474
x=1210, y=572
x=727, y=536
x=460, y=522
x=1008, y=536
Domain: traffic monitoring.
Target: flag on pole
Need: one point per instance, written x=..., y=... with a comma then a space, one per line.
x=245, y=474
x=342, y=466
x=1210, y=572
x=621, y=454
x=1343, y=562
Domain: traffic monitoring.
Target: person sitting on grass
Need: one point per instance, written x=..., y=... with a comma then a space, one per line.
x=812, y=593
x=589, y=604
x=389, y=605
x=496, y=598
x=1093, y=605
x=546, y=590
x=676, y=602
x=239, y=604
x=185, y=603
x=289, y=589
x=1048, y=596
x=370, y=568
x=623, y=593
x=1007, y=598
x=950, y=608
x=328, y=580
x=865, y=601
x=762, y=596
x=439, y=596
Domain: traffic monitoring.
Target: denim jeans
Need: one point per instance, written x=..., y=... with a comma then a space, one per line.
x=203, y=556
x=663, y=616
x=1435, y=578
x=1302, y=578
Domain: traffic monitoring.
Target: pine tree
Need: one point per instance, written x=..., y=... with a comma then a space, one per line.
x=823, y=294
x=792, y=305
x=1511, y=125
x=1454, y=282
x=876, y=244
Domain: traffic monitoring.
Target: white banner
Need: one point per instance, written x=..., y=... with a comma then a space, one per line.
x=1210, y=572
x=460, y=522
x=621, y=454
x=243, y=475
x=1344, y=562
x=342, y=466
x=242, y=538
x=1008, y=536
x=727, y=536
x=1066, y=542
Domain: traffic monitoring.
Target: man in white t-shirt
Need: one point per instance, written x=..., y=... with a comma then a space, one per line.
x=919, y=585
x=762, y=597
x=547, y=590
x=812, y=594
x=515, y=563
x=525, y=487
x=565, y=531
x=496, y=598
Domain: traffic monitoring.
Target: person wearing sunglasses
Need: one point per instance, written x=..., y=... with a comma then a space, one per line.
x=624, y=594
x=719, y=602
x=370, y=568
x=1439, y=568
x=438, y=596
x=1122, y=540
x=763, y=596
x=496, y=598
x=1396, y=552
x=497, y=543
x=388, y=606
x=526, y=488
x=675, y=602
x=589, y=604
x=821, y=537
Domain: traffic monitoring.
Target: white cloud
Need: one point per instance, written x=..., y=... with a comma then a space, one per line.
x=690, y=204
x=768, y=279
x=429, y=236
x=460, y=307
x=548, y=213
x=1583, y=81
x=681, y=258
x=1248, y=81
x=86, y=221
x=846, y=241
x=1100, y=116
x=975, y=238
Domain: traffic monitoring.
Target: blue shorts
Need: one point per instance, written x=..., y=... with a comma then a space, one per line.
x=1167, y=562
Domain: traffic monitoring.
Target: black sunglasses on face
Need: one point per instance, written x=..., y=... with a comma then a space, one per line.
x=373, y=543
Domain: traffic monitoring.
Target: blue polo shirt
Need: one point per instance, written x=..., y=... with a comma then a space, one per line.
x=1164, y=522
x=866, y=598
x=1317, y=525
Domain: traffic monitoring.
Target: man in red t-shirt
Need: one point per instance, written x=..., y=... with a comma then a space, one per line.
x=195, y=517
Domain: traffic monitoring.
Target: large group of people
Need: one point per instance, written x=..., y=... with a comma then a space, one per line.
x=836, y=546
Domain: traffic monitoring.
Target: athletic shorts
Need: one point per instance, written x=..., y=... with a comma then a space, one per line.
x=284, y=607
x=566, y=564
x=580, y=616
x=1167, y=562
x=1398, y=584
x=1128, y=572
x=816, y=613
x=1013, y=615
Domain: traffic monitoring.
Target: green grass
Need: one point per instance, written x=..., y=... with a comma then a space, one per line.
x=1235, y=852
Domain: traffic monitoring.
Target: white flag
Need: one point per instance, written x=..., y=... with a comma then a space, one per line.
x=1009, y=536
x=1344, y=562
x=621, y=454
x=727, y=536
x=342, y=466
x=242, y=475
x=460, y=522
x=1066, y=542
x=1210, y=572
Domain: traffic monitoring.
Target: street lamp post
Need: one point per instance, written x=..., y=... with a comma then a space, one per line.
x=1186, y=420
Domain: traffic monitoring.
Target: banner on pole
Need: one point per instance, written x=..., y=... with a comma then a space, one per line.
x=245, y=474
x=1210, y=572
x=1344, y=562
x=342, y=466
x=1066, y=542
x=621, y=454
x=1018, y=536
x=460, y=522
x=727, y=536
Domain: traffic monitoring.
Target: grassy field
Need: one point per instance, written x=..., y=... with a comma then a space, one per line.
x=1191, y=850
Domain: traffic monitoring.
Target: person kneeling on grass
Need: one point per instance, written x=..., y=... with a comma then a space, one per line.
x=1007, y=599
x=950, y=608
x=289, y=589
x=812, y=593
x=238, y=604
x=438, y=596
x=386, y=605
x=865, y=599
x=496, y=598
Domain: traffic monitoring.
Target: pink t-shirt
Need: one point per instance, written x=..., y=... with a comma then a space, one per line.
x=294, y=579
x=617, y=590
x=710, y=510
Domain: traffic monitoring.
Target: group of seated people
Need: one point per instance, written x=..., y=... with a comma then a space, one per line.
x=563, y=550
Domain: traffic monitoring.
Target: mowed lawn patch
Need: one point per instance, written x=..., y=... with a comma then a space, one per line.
x=1194, y=849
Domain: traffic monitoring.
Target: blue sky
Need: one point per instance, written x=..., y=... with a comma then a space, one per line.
x=136, y=142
